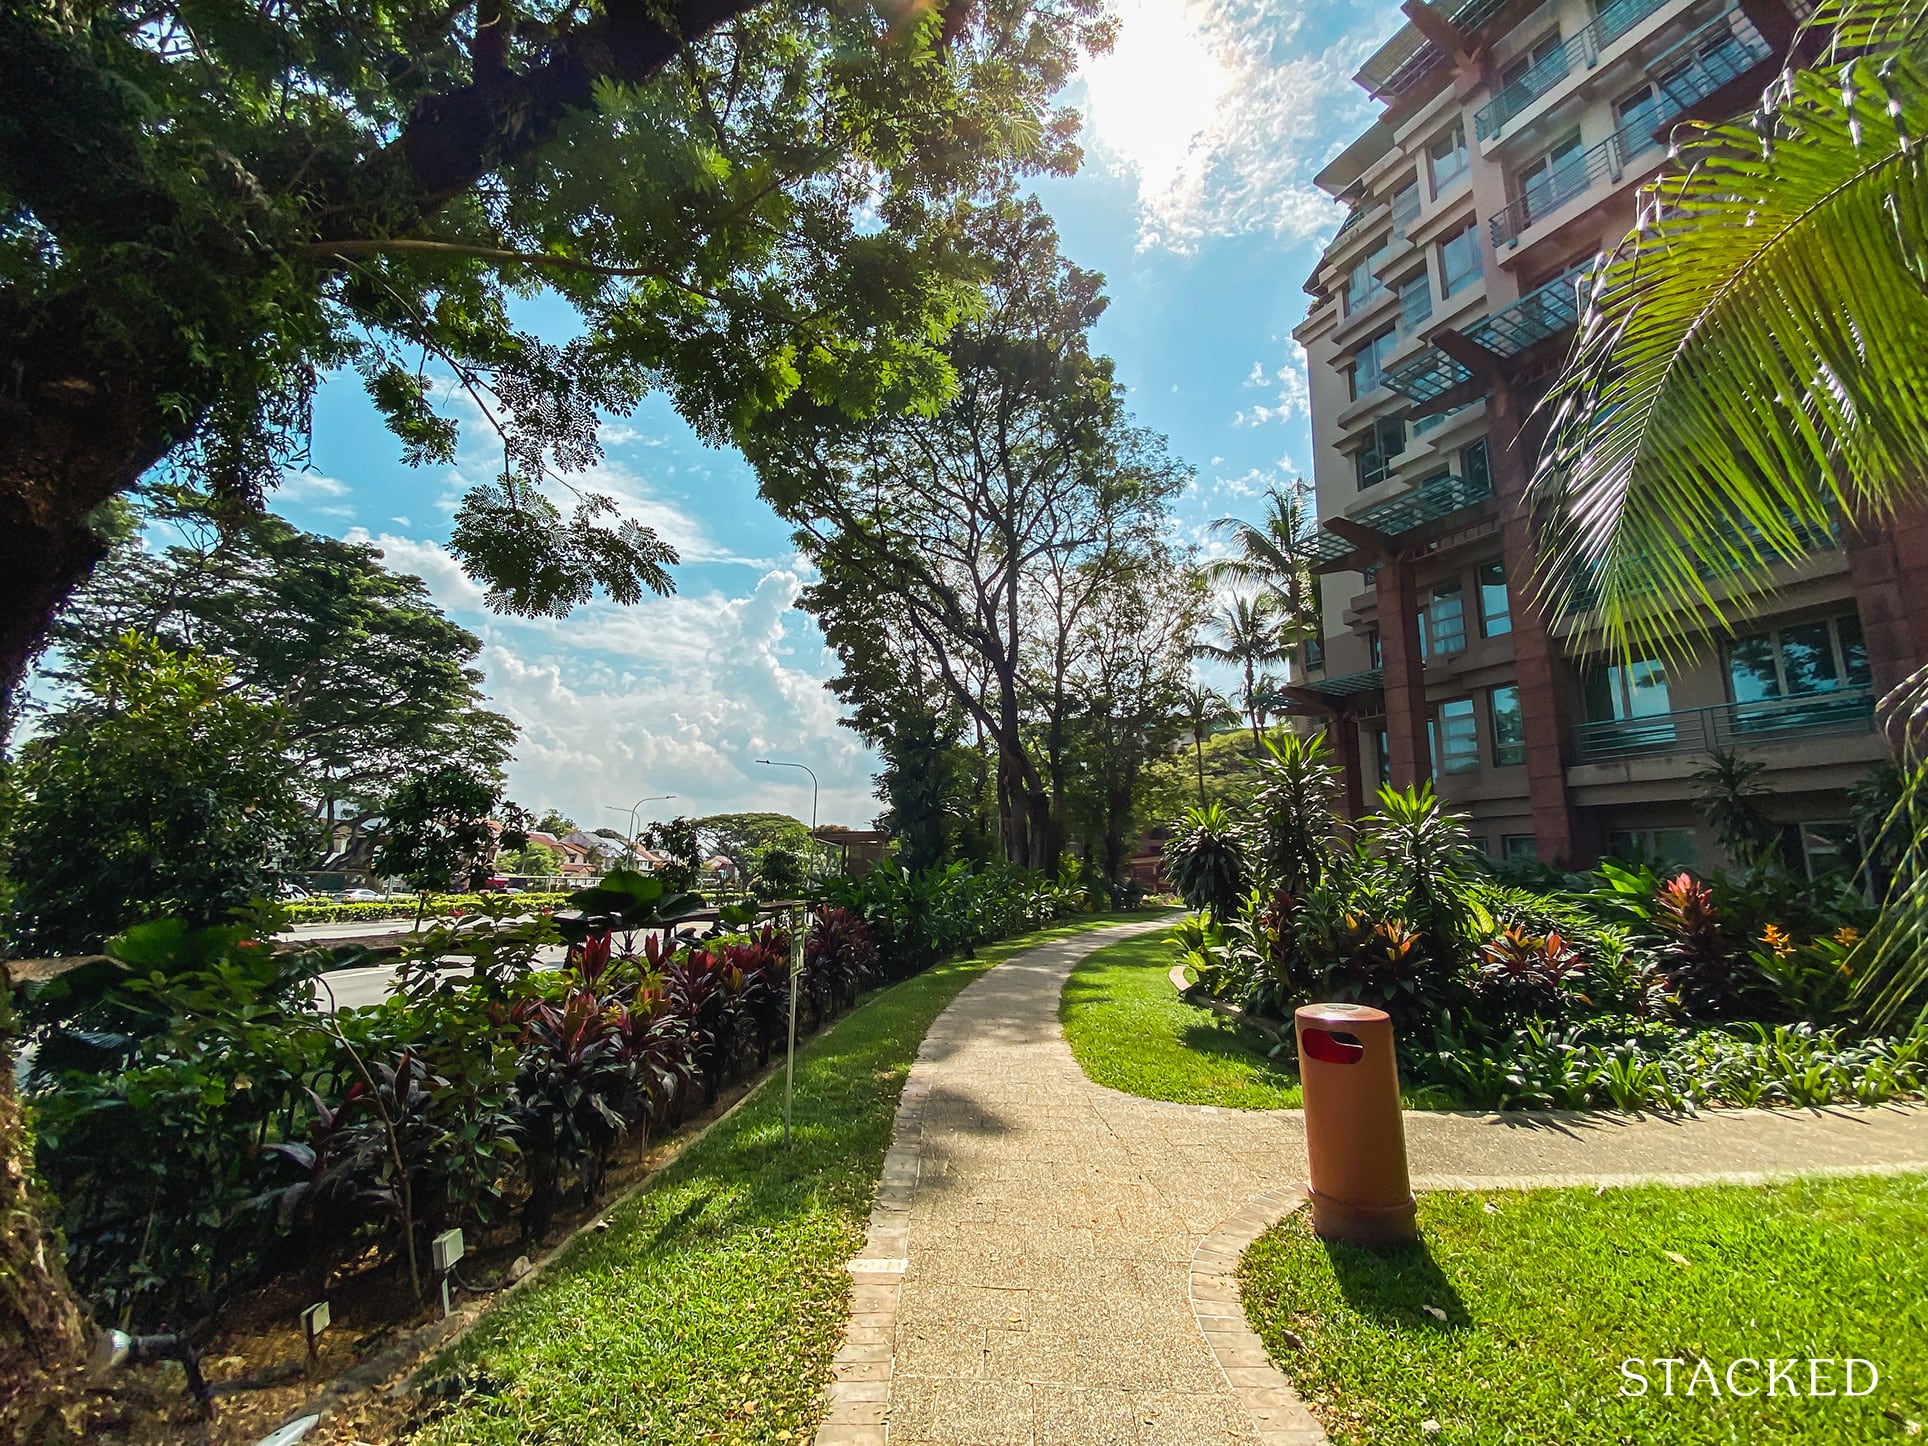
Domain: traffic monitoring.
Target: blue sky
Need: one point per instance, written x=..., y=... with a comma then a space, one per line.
x=1203, y=131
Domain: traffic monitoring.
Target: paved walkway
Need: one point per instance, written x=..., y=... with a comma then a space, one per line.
x=1050, y=1261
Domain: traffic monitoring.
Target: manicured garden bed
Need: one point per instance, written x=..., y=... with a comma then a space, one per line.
x=1512, y=1320
x=711, y=1306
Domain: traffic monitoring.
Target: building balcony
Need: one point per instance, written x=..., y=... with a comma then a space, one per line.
x=1726, y=726
x=1709, y=64
x=1430, y=501
x=1543, y=312
x=1579, y=51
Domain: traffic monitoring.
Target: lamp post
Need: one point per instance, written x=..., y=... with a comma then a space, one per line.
x=799, y=923
x=629, y=843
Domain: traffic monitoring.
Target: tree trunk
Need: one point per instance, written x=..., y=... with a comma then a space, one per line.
x=40, y=1325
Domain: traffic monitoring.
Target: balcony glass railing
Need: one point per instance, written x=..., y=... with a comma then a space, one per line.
x=1726, y=725
x=1719, y=52
x=1542, y=312
x=1577, y=52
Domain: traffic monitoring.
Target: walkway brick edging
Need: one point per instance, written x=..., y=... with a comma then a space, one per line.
x=859, y=1391
x=1276, y=1412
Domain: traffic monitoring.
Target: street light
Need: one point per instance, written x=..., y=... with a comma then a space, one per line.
x=777, y=763
x=629, y=843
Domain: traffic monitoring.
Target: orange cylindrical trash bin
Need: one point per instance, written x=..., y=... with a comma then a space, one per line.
x=1355, y=1136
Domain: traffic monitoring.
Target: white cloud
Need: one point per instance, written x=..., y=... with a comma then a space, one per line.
x=1223, y=115
x=1290, y=396
x=307, y=486
x=676, y=695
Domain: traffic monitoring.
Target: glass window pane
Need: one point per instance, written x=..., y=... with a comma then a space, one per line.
x=1520, y=848
x=1382, y=752
x=1448, y=619
x=1676, y=848
x=1854, y=652
x=1458, y=737
x=1509, y=727
x=1459, y=260
x=1750, y=669
x=1495, y=607
x=1647, y=689
x=1601, y=699
x=1807, y=659
x=1476, y=465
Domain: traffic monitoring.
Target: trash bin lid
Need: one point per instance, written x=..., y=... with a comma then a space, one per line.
x=1340, y=1014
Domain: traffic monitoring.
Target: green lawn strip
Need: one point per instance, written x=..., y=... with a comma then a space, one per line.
x=711, y=1307
x=1130, y=1031
x=1546, y=1293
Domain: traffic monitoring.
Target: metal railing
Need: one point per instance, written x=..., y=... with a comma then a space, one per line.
x=1679, y=89
x=1726, y=726
x=1542, y=312
x=1581, y=50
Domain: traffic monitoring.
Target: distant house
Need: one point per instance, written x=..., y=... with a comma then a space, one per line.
x=859, y=850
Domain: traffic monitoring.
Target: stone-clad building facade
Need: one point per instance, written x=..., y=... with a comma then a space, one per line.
x=1507, y=156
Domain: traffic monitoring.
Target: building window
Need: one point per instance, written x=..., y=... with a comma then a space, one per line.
x=1458, y=737
x=1373, y=462
x=1798, y=661
x=1822, y=848
x=1314, y=653
x=1519, y=848
x=1405, y=206
x=1372, y=650
x=1667, y=848
x=1495, y=607
x=1369, y=362
x=1476, y=465
x=1449, y=158
x=1637, y=117
x=1542, y=51
x=1446, y=619
x=1459, y=259
x=1415, y=302
x=1548, y=182
x=1509, y=727
x=1363, y=287
x=1382, y=753
x=1623, y=692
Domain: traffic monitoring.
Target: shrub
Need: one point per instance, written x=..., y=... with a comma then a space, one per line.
x=1206, y=861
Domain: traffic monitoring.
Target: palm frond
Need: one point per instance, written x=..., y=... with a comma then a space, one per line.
x=1749, y=374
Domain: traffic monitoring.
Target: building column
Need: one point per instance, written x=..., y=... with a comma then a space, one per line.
x=1535, y=655
x=1404, y=674
x=1888, y=564
x=1342, y=736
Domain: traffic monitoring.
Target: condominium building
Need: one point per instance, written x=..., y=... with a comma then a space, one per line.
x=1507, y=156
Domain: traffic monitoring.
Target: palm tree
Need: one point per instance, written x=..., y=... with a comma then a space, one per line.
x=1203, y=709
x=1749, y=371
x=1268, y=554
x=1248, y=635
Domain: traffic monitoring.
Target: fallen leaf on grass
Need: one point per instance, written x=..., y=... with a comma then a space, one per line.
x=1435, y=1312
x=1676, y=1257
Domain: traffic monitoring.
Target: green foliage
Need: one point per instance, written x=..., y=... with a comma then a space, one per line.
x=742, y=204
x=680, y=840
x=779, y=874
x=917, y=918
x=1291, y=818
x=1249, y=633
x=532, y=860
x=159, y=788
x=1730, y=797
x=1206, y=861
x=963, y=551
x=435, y=829
x=371, y=680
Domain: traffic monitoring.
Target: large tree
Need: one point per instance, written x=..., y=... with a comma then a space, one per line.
x=371, y=680
x=962, y=534
x=203, y=210
x=157, y=789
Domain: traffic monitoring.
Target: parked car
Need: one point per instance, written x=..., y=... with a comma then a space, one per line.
x=360, y=896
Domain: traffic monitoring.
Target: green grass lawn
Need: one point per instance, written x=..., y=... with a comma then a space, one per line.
x=1546, y=1293
x=1130, y=1031
x=711, y=1307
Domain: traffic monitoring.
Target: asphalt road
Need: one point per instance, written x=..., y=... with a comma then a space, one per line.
x=358, y=988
